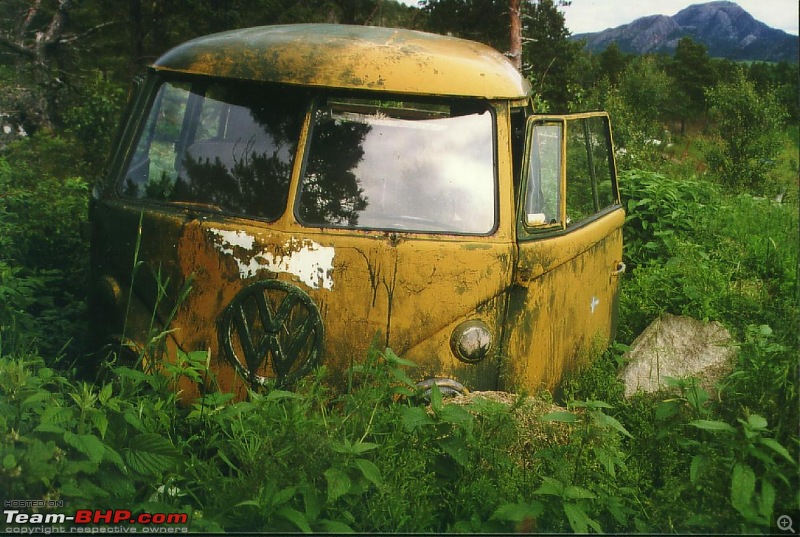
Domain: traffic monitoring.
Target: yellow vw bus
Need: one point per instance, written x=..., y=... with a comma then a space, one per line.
x=283, y=196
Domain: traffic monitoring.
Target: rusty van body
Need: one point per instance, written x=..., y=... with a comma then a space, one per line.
x=281, y=197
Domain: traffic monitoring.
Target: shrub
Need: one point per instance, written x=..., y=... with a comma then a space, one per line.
x=660, y=208
x=93, y=121
x=42, y=255
x=748, y=129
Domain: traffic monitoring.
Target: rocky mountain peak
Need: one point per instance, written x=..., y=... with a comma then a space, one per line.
x=725, y=28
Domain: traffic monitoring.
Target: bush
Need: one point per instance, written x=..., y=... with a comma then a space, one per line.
x=748, y=134
x=369, y=460
x=93, y=121
x=695, y=250
x=43, y=258
x=660, y=208
x=703, y=464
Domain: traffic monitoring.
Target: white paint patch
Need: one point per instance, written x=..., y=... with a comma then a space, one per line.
x=595, y=303
x=229, y=239
x=310, y=262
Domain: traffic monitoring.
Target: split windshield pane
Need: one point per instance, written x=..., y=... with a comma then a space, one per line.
x=400, y=166
x=226, y=147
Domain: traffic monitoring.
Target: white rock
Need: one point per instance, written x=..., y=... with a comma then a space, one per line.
x=676, y=347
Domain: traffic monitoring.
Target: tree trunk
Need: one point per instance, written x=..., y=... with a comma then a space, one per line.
x=35, y=105
x=515, y=51
x=137, y=37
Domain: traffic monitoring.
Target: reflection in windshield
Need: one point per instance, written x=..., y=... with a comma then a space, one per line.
x=331, y=191
x=222, y=147
x=401, y=169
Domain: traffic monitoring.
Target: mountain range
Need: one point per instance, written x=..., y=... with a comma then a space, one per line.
x=724, y=28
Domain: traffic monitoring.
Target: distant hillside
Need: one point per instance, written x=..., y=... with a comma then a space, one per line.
x=726, y=30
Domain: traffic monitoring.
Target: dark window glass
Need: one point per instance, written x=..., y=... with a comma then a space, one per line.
x=589, y=179
x=223, y=147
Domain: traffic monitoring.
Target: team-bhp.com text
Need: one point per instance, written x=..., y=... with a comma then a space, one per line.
x=90, y=520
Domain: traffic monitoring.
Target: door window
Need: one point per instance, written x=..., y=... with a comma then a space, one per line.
x=568, y=172
x=543, y=192
x=589, y=168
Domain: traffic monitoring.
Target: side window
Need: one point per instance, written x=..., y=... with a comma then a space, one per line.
x=543, y=188
x=589, y=168
x=152, y=173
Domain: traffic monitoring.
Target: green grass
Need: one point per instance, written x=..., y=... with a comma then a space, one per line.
x=374, y=460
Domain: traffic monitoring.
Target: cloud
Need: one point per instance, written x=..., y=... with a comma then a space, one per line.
x=597, y=15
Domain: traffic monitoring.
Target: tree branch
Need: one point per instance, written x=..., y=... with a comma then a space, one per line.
x=29, y=16
x=67, y=39
x=53, y=33
x=16, y=48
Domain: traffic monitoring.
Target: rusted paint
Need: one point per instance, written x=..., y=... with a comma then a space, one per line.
x=551, y=318
x=348, y=57
x=302, y=258
x=544, y=301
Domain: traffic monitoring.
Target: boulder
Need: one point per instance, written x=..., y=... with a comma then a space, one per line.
x=677, y=347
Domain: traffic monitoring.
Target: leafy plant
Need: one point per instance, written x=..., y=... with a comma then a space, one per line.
x=659, y=209
x=756, y=463
x=748, y=126
x=42, y=256
x=62, y=437
x=583, y=474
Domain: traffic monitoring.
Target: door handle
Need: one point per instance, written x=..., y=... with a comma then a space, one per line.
x=619, y=270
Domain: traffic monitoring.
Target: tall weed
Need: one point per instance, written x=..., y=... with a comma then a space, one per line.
x=42, y=255
x=701, y=463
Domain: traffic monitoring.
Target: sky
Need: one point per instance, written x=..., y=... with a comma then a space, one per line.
x=597, y=15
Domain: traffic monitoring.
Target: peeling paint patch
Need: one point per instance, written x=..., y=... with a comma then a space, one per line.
x=310, y=262
x=231, y=239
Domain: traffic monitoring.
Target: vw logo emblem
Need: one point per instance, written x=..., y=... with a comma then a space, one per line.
x=272, y=331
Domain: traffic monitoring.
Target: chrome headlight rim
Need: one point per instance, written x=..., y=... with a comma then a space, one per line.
x=471, y=352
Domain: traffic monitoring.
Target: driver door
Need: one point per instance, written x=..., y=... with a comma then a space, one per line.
x=563, y=306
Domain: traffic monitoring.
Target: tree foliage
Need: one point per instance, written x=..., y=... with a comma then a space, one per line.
x=548, y=57
x=691, y=69
x=748, y=129
x=486, y=21
x=57, y=46
x=33, y=36
x=612, y=63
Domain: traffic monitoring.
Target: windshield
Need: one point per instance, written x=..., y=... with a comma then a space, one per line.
x=370, y=164
x=222, y=147
x=400, y=166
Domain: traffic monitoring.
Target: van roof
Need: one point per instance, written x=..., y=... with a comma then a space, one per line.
x=351, y=57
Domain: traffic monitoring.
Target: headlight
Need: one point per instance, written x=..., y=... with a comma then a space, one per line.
x=471, y=341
